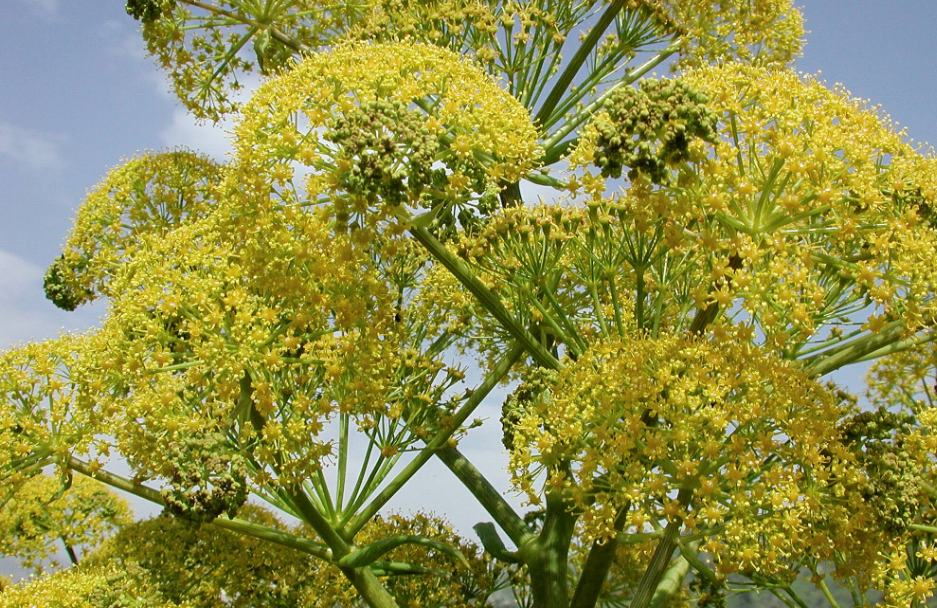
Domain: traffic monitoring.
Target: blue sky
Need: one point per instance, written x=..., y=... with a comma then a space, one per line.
x=78, y=94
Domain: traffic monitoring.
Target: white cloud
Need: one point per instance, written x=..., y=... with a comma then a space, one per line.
x=126, y=41
x=47, y=8
x=208, y=138
x=39, y=151
x=25, y=314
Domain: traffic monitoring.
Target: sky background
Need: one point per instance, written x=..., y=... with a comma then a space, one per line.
x=78, y=94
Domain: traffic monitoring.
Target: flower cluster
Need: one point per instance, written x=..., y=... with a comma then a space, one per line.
x=48, y=406
x=263, y=351
x=373, y=126
x=47, y=512
x=749, y=31
x=906, y=379
x=205, y=478
x=650, y=129
x=99, y=587
x=630, y=424
x=205, y=52
x=804, y=188
x=200, y=565
x=138, y=202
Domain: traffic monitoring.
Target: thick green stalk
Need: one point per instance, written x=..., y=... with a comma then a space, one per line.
x=673, y=578
x=595, y=570
x=660, y=561
x=494, y=377
x=834, y=358
x=284, y=539
x=485, y=297
x=792, y=598
x=658, y=566
x=588, y=45
x=487, y=496
x=115, y=481
x=364, y=581
x=548, y=559
x=511, y=195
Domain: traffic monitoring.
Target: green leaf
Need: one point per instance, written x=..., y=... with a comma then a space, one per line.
x=493, y=544
x=261, y=46
x=370, y=553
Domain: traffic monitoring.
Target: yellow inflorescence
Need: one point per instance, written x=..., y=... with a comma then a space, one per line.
x=906, y=379
x=631, y=423
x=285, y=127
x=48, y=408
x=139, y=201
x=204, y=341
x=759, y=31
x=80, y=587
x=804, y=187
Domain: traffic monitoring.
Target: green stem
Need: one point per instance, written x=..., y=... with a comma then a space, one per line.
x=690, y=552
x=284, y=539
x=661, y=558
x=616, y=306
x=312, y=516
x=826, y=593
x=784, y=599
x=673, y=578
x=511, y=195
x=901, y=345
x=371, y=590
x=115, y=481
x=595, y=571
x=359, y=483
x=72, y=557
x=561, y=86
x=485, y=297
x=580, y=344
x=548, y=318
x=799, y=602
x=487, y=496
x=639, y=298
x=839, y=356
x=547, y=559
x=342, y=461
x=597, y=307
x=494, y=377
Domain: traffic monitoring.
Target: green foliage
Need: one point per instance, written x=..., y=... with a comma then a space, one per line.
x=649, y=130
x=148, y=11
x=204, y=479
x=48, y=514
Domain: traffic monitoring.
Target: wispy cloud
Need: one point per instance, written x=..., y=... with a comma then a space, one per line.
x=38, y=151
x=203, y=136
x=207, y=138
x=48, y=8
